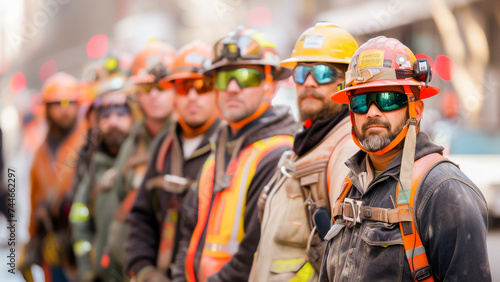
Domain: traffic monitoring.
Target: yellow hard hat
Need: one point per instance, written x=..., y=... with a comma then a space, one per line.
x=324, y=42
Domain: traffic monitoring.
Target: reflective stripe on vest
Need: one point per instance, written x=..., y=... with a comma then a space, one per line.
x=225, y=223
x=414, y=249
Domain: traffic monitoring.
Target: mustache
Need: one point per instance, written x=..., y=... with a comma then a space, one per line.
x=310, y=92
x=371, y=122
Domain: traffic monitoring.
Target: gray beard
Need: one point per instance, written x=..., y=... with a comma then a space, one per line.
x=376, y=143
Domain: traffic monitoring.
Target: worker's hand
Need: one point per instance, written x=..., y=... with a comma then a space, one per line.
x=51, y=250
x=30, y=254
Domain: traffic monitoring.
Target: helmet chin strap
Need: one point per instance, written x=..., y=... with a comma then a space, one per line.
x=264, y=105
x=190, y=132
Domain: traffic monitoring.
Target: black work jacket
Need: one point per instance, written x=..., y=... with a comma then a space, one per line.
x=451, y=218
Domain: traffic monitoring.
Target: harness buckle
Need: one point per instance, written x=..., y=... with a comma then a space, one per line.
x=355, y=208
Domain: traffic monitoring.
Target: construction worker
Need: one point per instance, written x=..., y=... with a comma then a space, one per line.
x=94, y=201
x=221, y=216
x=151, y=64
x=51, y=177
x=177, y=159
x=406, y=212
x=316, y=166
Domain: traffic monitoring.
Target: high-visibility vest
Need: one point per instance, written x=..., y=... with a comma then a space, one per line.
x=223, y=219
x=403, y=214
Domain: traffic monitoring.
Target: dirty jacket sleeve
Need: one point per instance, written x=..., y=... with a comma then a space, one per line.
x=144, y=237
x=189, y=214
x=238, y=268
x=82, y=228
x=452, y=215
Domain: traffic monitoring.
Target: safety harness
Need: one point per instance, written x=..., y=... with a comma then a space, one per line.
x=350, y=212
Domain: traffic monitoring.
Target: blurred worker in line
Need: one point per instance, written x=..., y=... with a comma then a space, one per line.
x=406, y=213
x=151, y=64
x=51, y=177
x=94, y=202
x=101, y=75
x=315, y=170
x=221, y=216
x=176, y=162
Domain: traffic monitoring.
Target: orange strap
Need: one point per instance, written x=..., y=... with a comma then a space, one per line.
x=206, y=188
x=162, y=153
x=415, y=251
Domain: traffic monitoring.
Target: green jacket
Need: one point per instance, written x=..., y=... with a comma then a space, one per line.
x=89, y=232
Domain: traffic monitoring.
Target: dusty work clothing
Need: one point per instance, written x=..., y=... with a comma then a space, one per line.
x=154, y=216
x=130, y=165
x=221, y=215
x=449, y=213
x=91, y=213
x=317, y=170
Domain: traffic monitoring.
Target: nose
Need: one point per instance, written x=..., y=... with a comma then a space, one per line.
x=310, y=82
x=154, y=92
x=192, y=94
x=233, y=86
x=373, y=111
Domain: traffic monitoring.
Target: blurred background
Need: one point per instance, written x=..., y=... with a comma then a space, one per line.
x=461, y=38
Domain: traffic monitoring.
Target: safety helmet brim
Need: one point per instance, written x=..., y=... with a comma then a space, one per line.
x=292, y=62
x=280, y=73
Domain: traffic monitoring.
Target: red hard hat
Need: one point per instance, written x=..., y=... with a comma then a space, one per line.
x=374, y=65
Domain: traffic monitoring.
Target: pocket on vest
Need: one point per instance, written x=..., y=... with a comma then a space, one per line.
x=293, y=228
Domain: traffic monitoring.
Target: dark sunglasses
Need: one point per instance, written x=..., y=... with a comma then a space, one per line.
x=202, y=86
x=385, y=101
x=61, y=103
x=245, y=77
x=322, y=73
x=120, y=110
x=145, y=88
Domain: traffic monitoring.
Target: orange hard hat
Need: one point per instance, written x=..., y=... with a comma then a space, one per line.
x=382, y=62
x=189, y=62
x=60, y=87
x=148, y=61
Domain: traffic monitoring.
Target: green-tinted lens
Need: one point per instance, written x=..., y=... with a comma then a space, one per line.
x=385, y=101
x=245, y=77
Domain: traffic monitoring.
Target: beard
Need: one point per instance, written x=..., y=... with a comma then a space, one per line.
x=328, y=109
x=64, y=127
x=374, y=142
x=114, y=138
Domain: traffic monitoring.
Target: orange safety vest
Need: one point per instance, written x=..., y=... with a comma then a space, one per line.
x=224, y=220
x=414, y=249
x=51, y=176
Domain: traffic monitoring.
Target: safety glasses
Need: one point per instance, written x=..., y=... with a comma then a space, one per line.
x=237, y=46
x=385, y=101
x=245, y=77
x=322, y=73
x=145, y=88
x=202, y=86
x=120, y=110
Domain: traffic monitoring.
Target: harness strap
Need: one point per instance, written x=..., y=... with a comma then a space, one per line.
x=352, y=210
x=400, y=214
